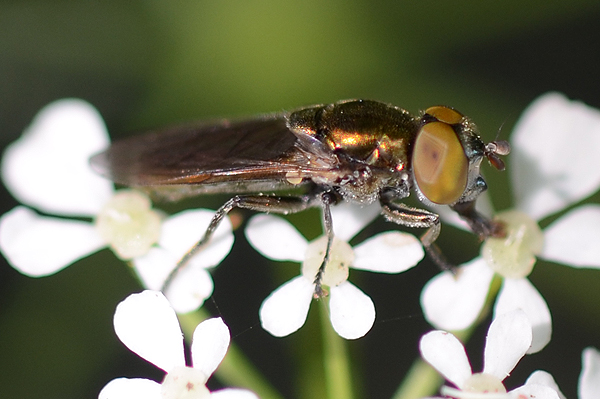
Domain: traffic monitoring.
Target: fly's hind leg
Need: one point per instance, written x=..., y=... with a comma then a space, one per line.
x=419, y=218
x=260, y=203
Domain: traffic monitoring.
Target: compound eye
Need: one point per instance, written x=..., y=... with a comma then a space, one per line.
x=445, y=114
x=439, y=163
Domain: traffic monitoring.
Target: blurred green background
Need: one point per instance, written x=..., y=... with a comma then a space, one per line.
x=150, y=63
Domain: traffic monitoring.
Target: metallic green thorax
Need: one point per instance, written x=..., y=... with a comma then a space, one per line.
x=367, y=142
x=369, y=132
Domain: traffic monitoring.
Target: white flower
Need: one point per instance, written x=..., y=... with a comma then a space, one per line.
x=508, y=338
x=553, y=165
x=148, y=326
x=352, y=312
x=589, y=379
x=48, y=169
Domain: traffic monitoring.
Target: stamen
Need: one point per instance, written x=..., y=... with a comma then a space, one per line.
x=514, y=255
x=128, y=223
x=340, y=259
x=185, y=383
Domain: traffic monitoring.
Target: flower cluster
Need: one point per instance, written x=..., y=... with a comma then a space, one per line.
x=48, y=169
x=508, y=339
x=352, y=312
x=147, y=324
x=548, y=175
x=69, y=213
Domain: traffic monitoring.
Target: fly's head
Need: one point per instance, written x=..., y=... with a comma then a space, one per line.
x=447, y=155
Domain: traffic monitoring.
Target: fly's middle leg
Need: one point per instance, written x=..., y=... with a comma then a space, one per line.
x=419, y=218
x=327, y=199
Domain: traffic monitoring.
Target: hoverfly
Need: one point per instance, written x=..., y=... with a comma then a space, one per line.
x=355, y=150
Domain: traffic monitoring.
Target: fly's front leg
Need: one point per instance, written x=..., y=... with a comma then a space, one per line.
x=260, y=203
x=419, y=218
x=481, y=225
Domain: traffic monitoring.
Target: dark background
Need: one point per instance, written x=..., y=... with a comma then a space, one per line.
x=151, y=63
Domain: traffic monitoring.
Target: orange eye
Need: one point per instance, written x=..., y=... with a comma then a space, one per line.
x=439, y=163
x=445, y=114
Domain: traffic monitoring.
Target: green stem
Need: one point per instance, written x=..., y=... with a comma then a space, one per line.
x=421, y=380
x=235, y=370
x=335, y=359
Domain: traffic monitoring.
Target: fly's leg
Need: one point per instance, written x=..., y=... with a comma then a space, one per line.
x=419, y=218
x=327, y=199
x=260, y=203
x=480, y=224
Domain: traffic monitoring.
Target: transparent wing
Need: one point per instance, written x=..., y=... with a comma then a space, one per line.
x=223, y=156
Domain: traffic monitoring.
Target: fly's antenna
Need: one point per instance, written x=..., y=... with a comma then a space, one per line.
x=495, y=149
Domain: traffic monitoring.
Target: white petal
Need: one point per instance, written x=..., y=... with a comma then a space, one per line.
x=533, y=391
x=189, y=289
x=192, y=284
x=39, y=246
x=183, y=230
x=148, y=326
x=508, y=339
x=48, y=167
x=285, y=310
x=209, y=345
x=521, y=294
x=390, y=252
x=276, y=238
x=573, y=239
x=349, y=219
x=232, y=393
x=540, y=377
x=352, y=312
x=447, y=355
x=154, y=267
x=453, y=302
x=589, y=380
x=130, y=388
x=554, y=160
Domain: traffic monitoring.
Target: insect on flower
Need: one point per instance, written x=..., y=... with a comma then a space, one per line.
x=355, y=150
